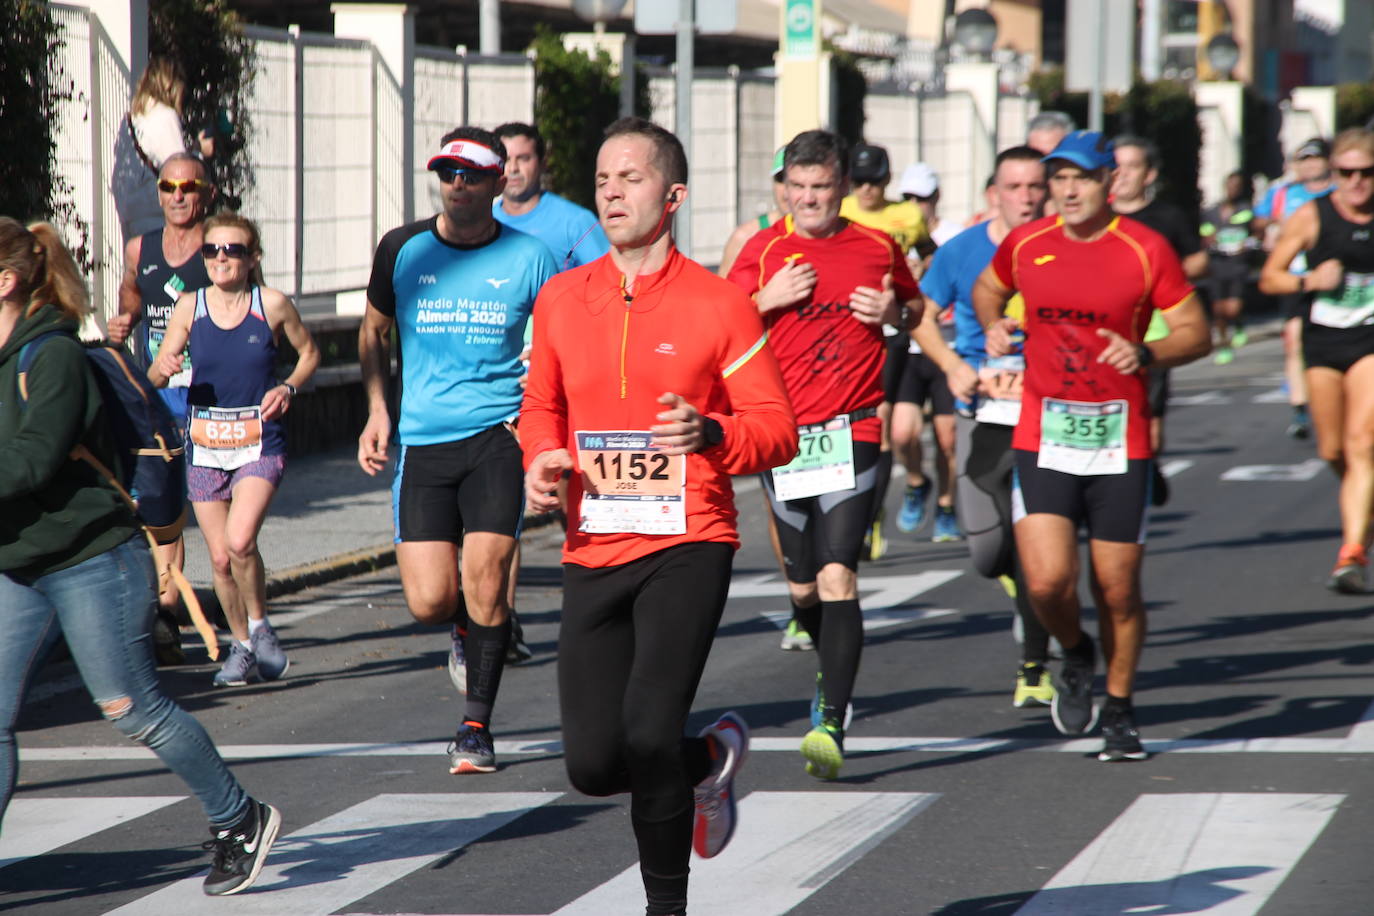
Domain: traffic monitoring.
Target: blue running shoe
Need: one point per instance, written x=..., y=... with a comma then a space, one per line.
x=946, y=526
x=913, y=512
x=818, y=704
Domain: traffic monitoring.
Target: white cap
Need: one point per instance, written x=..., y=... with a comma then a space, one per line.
x=919, y=179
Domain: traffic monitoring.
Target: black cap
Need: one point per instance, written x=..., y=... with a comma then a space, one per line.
x=1316, y=147
x=869, y=163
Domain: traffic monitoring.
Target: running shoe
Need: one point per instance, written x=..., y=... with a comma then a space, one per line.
x=1072, y=708
x=1121, y=739
x=913, y=511
x=471, y=750
x=1034, y=686
x=1239, y=338
x=1224, y=356
x=714, y=797
x=167, y=649
x=517, y=650
x=272, y=661
x=458, y=663
x=1348, y=576
x=823, y=748
x=1009, y=586
x=795, y=638
x=946, y=526
x=241, y=850
x=1301, y=424
x=240, y=668
x=875, y=545
x=818, y=706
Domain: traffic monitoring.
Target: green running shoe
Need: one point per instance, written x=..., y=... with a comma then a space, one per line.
x=823, y=748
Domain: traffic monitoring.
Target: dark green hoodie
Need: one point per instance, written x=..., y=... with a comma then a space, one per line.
x=54, y=512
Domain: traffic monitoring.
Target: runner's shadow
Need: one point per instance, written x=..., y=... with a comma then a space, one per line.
x=1192, y=892
x=83, y=875
x=1261, y=539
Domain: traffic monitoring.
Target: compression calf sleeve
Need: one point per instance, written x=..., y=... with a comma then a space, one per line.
x=485, y=648
x=844, y=640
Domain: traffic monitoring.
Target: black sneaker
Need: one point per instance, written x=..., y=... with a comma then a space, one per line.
x=1121, y=739
x=1072, y=708
x=517, y=650
x=167, y=641
x=472, y=750
x=241, y=850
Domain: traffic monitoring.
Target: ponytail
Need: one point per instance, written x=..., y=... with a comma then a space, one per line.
x=47, y=273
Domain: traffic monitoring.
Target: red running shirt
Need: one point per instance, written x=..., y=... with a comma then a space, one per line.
x=1073, y=288
x=599, y=363
x=832, y=362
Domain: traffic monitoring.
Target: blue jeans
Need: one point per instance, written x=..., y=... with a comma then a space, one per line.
x=104, y=607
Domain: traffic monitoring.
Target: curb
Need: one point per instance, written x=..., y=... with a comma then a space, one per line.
x=356, y=562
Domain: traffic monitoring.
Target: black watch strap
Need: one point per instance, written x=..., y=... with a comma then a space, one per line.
x=712, y=432
x=1144, y=355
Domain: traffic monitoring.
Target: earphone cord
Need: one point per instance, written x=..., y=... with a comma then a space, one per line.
x=626, y=287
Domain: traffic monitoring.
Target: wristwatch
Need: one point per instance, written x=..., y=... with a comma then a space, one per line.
x=712, y=432
x=1144, y=355
x=290, y=388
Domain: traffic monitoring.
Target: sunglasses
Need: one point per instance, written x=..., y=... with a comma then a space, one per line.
x=470, y=176
x=231, y=250
x=184, y=185
x=1364, y=172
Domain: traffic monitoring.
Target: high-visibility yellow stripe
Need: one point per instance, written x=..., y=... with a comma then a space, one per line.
x=748, y=355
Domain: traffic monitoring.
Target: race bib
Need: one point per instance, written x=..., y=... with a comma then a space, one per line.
x=1347, y=307
x=1000, y=380
x=225, y=437
x=1231, y=240
x=824, y=462
x=183, y=378
x=629, y=486
x=1083, y=439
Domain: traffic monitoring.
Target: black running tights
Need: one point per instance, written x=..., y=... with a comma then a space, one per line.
x=631, y=649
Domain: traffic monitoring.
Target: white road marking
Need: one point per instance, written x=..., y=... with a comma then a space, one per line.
x=1292, y=473
x=327, y=865
x=1175, y=466
x=1222, y=853
x=1202, y=399
x=34, y=826
x=789, y=845
x=1275, y=396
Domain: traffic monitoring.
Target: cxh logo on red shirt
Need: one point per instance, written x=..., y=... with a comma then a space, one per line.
x=1060, y=315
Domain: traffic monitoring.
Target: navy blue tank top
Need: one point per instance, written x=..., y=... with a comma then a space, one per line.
x=235, y=367
x=159, y=286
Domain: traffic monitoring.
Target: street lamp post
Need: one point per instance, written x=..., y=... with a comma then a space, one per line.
x=598, y=13
x=1222, y=55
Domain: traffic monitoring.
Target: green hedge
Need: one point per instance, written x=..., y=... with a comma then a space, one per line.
x=576, y=99
x=1354, y=105
x=1163, y=111
x=205, y=39
x=32, y=89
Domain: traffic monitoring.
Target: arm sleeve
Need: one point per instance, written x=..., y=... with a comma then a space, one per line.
x=544, y=412
x=903, y=283
x=938, y=282
x=381, y=291
x=51, y=421
x=760, y=430
x=1170, y=287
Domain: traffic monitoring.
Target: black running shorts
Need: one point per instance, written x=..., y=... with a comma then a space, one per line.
x=1336, y=348
x=1112, y=506
x=829, y=528
x=445, y=490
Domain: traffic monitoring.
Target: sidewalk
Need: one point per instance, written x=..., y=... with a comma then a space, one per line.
x=329, y=520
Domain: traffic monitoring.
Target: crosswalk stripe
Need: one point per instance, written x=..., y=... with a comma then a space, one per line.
x=1223, y=853
x=34, y=826
x=789, y=844
x=327, y=865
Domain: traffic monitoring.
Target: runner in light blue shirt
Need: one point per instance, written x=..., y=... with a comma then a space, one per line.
x=571, y=232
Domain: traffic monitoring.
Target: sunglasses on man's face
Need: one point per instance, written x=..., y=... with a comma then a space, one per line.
x=209, y=251
x=1366, y=171
x=184, y=185
x=470, y=177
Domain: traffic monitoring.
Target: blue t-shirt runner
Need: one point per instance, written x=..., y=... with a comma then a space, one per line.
x=460, y=313
x=572, y=233
x=949, y=282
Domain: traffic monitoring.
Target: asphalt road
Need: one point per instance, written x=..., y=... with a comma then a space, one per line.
x=1254, y=698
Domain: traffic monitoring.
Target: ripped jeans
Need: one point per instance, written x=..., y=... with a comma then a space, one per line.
x=104, y=607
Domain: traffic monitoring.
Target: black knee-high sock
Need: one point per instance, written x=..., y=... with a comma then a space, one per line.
x=1035, y=645
x=485, y=648
x=844, y=641
x=810, y=620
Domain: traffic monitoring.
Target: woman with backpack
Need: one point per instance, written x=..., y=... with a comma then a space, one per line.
x=237, y=446
x=73, y=559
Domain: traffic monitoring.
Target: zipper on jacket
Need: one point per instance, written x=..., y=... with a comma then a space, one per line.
x=624, y=338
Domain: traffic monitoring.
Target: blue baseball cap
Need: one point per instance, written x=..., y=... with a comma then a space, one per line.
x=1087, y=149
